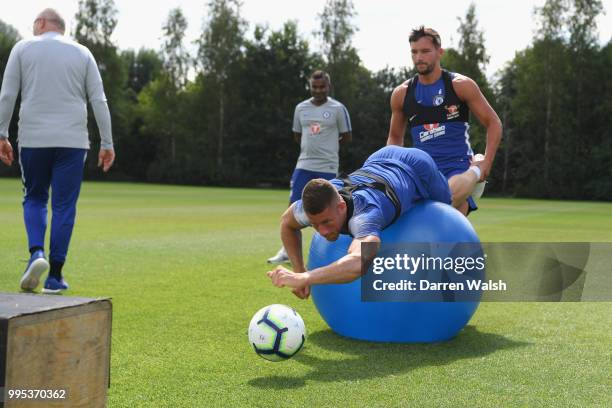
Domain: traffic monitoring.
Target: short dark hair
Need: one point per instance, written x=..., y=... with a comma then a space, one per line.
x=422, y=31
x=319, y=74
x=318, y=194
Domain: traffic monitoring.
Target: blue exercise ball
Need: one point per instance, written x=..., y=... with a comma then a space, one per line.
x=341, y=306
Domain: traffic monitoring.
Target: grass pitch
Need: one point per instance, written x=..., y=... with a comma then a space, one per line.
x=185, y=267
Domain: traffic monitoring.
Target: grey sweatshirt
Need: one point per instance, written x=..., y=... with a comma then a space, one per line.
x=57, y=77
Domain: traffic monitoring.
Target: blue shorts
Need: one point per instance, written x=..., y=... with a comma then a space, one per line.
x=299, y=179
x=458, y=168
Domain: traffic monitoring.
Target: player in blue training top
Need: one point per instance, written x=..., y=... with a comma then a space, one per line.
x=362, y=205
x=436, y=104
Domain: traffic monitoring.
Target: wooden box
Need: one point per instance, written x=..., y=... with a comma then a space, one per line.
x=54, y=351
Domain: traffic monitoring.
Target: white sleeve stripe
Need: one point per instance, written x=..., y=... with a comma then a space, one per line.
x=300, y=215
x=346, y=118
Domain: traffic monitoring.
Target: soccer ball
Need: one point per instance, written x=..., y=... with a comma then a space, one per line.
x=277, y=332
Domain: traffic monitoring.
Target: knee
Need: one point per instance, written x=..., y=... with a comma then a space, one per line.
x=455, y=186
x=36, y=198
x=458, y=195
x=457, y=199
x=462, y=206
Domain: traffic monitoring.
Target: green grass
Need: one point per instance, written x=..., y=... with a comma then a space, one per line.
x=185, y=268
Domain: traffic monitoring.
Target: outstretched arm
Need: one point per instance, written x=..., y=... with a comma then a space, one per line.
x=397, y=127
x=468, y=91
x=345, y=269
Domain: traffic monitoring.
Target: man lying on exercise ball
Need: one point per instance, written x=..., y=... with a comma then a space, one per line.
x=388, y=184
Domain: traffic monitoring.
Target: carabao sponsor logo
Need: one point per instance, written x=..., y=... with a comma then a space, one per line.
x=432, y=130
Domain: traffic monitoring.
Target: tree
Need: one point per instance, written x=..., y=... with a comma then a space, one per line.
x=470, y=59
x=163, y=128
x=580, y=135
x=176, y=64
x=549, y=45
x=96, y=21
x=583, y=47
x=176, y=57
x=337, y=30
x=472, y=46
x=598, y=185
x=336, y=34
x=342, y=63
x=273, y=79
x=506, y=92
x=582, y=24
x=8, y=38
x=142, y=67
x=219, y=53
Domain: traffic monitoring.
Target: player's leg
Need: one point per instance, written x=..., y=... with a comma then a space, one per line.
x=65, y=188
x=36, y=167
x=462, y=184
x=461, y=177
x=437, y=184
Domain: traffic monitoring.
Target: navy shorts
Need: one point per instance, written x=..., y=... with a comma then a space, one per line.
x=299, y=179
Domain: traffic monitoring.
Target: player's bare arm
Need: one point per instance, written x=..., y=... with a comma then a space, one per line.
x=345, y=138
x=468, y=91
x=291, y=235
x=397, y=127
x=345, y=269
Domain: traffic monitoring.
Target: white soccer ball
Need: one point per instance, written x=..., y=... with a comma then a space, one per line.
x=277, y=332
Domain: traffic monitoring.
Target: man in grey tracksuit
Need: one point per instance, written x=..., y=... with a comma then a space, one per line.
x=56, y=77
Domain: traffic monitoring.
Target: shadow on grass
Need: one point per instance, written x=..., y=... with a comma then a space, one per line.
x=364, y=360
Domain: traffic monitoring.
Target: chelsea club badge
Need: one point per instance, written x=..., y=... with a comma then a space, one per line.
x=438, y=100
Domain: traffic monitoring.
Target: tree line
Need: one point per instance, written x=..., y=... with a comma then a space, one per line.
x=223, y=114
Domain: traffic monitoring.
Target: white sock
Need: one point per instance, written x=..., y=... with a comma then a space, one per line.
x=476, y=171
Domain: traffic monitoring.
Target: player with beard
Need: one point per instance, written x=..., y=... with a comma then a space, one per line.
x=436, y=104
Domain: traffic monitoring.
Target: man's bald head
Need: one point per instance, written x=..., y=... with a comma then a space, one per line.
x=49, y=20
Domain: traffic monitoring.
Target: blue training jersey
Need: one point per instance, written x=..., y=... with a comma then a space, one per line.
x=411, y=173
x=446, y=141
